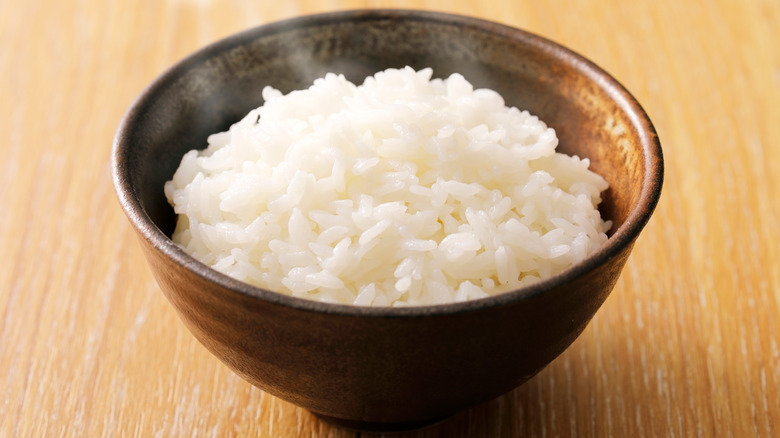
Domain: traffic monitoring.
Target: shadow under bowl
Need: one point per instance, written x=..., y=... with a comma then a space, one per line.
x=385, y=368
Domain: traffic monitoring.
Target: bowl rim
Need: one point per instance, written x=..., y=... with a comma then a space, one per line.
x=622, y=237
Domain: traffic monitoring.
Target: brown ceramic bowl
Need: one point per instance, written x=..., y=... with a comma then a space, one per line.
x=385, y=368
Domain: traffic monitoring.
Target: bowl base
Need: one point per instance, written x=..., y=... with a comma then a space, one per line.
x=379, y=426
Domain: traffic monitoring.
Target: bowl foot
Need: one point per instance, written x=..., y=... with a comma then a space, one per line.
x=379, y=426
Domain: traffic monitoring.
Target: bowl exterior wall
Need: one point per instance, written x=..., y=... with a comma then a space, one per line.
x=383, y=369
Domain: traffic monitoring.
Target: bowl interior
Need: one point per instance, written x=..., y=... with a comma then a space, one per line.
x=592, y=114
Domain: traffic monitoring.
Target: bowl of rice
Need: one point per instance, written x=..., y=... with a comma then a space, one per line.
x=386, y=216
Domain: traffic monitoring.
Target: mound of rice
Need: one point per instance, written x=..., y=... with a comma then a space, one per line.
x=401, y=191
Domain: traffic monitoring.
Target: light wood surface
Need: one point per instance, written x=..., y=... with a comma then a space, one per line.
x=686, y=345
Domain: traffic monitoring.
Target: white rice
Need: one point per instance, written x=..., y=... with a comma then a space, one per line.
x=401, y=191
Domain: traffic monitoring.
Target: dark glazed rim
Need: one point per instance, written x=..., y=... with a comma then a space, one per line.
x=622, y=237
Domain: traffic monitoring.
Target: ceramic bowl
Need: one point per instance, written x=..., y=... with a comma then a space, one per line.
x=385, y=368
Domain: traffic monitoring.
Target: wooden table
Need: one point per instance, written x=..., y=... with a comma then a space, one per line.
x=687, y=344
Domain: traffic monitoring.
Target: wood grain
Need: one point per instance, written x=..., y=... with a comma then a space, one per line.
x=687, y=344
